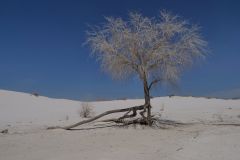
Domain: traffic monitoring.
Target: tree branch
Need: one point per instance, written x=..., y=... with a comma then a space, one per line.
x=153, y=82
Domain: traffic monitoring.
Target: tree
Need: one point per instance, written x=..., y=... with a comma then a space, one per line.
x=156, y=49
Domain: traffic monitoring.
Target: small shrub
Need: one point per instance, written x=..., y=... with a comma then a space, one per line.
x=162, y=107
x=67, y=117
x=35, y=94
x=5, y=131
x=86, y=110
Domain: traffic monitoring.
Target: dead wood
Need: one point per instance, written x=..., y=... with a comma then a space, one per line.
x=126, y=115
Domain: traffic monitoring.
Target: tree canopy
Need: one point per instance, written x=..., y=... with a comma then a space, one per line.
x=156, y=47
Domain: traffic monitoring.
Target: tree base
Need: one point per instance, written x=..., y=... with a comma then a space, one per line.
x=121, y=119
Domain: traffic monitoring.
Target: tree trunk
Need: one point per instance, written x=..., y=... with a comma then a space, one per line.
x=147, y=100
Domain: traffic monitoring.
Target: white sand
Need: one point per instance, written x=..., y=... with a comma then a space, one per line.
x=26, y=117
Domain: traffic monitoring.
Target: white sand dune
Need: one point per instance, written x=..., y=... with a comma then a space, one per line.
x=26, y=117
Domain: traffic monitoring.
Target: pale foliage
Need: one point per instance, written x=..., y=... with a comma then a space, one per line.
x=157, y=48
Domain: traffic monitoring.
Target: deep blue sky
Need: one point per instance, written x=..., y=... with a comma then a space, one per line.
x=41, y=46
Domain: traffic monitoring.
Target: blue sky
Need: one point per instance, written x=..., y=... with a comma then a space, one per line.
x=41, y=47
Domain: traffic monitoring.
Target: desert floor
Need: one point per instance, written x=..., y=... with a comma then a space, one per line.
x=28, y=139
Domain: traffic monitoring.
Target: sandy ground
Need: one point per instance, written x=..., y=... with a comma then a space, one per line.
x=26, y=118
x=196, y=142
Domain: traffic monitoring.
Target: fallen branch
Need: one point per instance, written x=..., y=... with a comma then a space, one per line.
x=133, y=109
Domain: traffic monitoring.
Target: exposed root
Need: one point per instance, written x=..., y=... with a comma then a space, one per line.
x=142, y=114
x=156, y=122
x=164, y=124
x=130, y=117
x=126, y=115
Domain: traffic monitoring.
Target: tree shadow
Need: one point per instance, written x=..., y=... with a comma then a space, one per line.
x=158, y=123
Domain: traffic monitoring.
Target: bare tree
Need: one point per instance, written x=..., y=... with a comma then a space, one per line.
x=156, y=49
